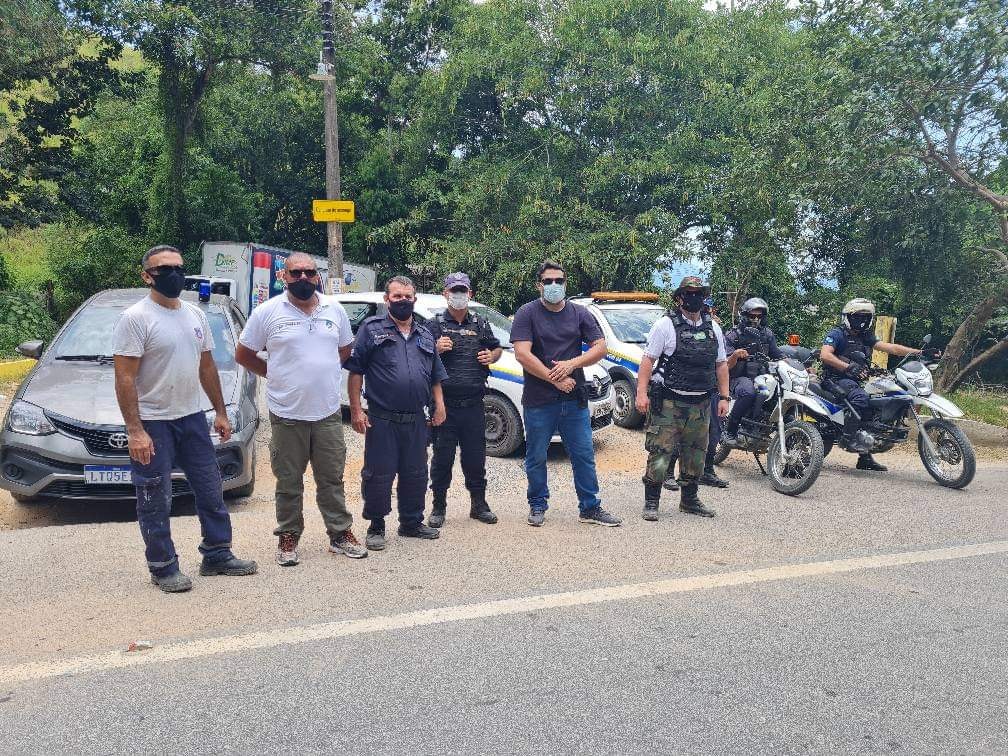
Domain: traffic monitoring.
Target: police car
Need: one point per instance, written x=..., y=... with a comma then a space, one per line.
x=505, y=432
x=625, y=319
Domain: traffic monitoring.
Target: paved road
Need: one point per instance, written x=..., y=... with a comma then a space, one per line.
x=652, y=637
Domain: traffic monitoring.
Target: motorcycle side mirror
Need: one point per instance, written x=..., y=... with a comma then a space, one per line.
x=926, y=340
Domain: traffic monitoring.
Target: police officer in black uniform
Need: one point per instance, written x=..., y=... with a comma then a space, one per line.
x=467, y=347
x=404, y=374
x=751, y=345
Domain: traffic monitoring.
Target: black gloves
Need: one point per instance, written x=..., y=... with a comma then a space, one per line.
x=855, y=371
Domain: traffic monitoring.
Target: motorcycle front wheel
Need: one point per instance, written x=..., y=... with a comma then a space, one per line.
x=794, y=471
x=955, y=463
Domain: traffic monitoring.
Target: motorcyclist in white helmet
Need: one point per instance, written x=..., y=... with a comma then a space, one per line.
x=855, y=334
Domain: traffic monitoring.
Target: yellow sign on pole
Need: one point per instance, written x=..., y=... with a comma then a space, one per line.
x=885, y=329
x=333, y=211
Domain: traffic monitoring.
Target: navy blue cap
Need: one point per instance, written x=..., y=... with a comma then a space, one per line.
x=457, y=279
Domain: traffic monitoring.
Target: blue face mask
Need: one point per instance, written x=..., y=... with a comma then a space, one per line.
x=554, y=292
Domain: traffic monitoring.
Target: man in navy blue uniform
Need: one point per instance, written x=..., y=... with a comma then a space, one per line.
x=855, y=334
x=468, y=347
x=398, y=358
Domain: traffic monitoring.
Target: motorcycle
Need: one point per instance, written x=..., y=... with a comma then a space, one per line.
x=895, y=398
x=777, y=425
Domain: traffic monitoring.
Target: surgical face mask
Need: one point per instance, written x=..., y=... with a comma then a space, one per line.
x=302, y=289
x=401, y=309
x=692, y=301
x=554, y=293
x=458, y=300
x=169, y=282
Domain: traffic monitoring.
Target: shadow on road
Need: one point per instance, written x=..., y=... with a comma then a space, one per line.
x=53, y=512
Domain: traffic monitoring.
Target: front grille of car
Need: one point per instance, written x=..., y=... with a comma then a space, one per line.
x=598, y=389
x=78, y=489
x=97, y=438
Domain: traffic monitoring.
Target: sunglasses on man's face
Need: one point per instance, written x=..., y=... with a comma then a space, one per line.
x=548, y=281
x=302, y=273
x=159, y=270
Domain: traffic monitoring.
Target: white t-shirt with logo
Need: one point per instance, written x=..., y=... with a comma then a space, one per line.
x=170, y=343
x=303, y=381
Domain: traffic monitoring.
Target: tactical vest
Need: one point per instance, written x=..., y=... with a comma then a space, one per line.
x=691, y=367
x=855, y=343
x=756, y=341
x=465, y=373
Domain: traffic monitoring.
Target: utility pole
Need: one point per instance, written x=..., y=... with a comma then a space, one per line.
x=334, y=230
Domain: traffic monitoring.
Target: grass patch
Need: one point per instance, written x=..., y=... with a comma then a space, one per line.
x=24, y=251
x=989, y=405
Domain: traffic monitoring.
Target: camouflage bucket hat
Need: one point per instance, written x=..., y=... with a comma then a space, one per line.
x=692, y=282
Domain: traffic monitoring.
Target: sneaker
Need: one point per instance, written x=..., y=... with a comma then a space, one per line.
x=375, y=539
x=599, y=516
x=173, y=583
x=536, y=517
x=651, y=511
x=671, y=484
x=347, y=543
x=233, y=566
x=729, y=439
x=436, y=518
x=287, y=555
x=419, y=531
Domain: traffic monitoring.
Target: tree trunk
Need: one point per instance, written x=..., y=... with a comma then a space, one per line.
x=950, y=371
x=984, y=357
x=170, y=194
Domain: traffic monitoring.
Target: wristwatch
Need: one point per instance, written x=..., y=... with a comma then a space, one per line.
x=725, y=398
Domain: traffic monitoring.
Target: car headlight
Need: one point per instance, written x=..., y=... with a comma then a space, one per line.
x=238, y=418
x=25, y=417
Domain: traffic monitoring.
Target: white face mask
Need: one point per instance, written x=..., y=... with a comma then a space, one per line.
x=458, y=300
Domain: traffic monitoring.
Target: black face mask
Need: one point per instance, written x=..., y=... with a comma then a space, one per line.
x=302, y=289
x=859, y=322
x=169, y=284
x=754, y=321
x=401, y=309
x=692, y=302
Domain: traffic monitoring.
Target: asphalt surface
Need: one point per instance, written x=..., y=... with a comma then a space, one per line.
x=905, y=659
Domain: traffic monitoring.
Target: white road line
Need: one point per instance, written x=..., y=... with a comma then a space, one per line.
x=330, y=630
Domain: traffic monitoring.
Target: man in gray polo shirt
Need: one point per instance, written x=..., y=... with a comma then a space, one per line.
x=307, y=336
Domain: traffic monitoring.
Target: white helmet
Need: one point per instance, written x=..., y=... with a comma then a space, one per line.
x=755, y=303
x=858, y=307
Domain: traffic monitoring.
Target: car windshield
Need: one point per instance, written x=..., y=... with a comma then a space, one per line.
x=500, y=323
x=89, y=335
x=632, y=324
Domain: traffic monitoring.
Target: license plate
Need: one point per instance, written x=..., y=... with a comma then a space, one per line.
x=107, y=474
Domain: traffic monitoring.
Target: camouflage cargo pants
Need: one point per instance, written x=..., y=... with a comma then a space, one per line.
x=680, y=428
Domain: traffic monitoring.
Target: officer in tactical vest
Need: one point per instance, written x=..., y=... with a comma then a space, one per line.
x=467, y=346
x=751, y=345
x=844, y=374
x=691, y=351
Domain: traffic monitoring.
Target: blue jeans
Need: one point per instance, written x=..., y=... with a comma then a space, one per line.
x=184, y=443
x=572, y=421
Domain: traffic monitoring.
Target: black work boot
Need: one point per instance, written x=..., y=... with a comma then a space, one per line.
x=867, y=462
x=652, y=495
x=710, y=478
x=479, y=509
x=690, y=503
x=440, y=504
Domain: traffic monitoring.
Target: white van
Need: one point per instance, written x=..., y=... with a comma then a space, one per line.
x=505, y=432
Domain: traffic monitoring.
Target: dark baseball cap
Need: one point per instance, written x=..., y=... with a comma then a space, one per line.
x=455, y=280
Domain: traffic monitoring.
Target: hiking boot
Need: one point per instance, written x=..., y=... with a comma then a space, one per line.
x=710, y=478
x=690, y=503
x=437, y=515
x=375, y=538
x=652, y=495
x=480, y=510
x=233, y=566
x=176, y=582
x=867, y=462
x=346, y=543
x=419, y=531
x=536, y=517
x=598, y=516
x=287, y=555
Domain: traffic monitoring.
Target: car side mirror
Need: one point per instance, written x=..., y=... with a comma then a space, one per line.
x=32, y=349
x=926, y=340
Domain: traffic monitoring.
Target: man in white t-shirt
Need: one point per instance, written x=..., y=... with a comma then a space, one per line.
x=162, y=349
x=307, y=337
x=690, y=349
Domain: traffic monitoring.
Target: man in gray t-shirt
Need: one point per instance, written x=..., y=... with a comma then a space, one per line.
x=162, y=359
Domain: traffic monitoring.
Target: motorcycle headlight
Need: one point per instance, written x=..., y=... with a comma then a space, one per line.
x=799, y=382
x=920, y=382
x=25, y=417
